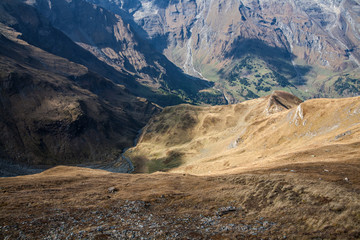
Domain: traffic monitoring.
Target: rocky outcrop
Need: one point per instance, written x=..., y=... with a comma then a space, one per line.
x=279, y=101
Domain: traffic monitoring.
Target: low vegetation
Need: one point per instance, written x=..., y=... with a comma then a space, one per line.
x=266, y=132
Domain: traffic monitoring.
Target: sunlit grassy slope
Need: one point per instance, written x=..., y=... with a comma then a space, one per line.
x=267, y=132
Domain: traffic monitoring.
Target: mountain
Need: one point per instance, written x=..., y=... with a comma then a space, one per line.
x=81, y=82
x=249, y=48
x=114, y=42
x=78, y=53
x=268, y=132
x=57, y=111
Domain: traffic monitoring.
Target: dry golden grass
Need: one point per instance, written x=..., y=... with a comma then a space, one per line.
x=268, y=132
x=303, y=201
x=293, y=174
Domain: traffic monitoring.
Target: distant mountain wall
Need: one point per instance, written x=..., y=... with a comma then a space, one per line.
x=249, y=48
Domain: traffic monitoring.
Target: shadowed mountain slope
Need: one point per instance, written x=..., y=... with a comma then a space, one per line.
x=53, y=111
x=114, y=43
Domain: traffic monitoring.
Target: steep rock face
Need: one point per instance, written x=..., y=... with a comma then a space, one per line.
x=54, y=111
x=38, y=31
x=114, y=42
x=311, y=44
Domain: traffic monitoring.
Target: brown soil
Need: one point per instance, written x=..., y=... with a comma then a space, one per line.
x=302, y=201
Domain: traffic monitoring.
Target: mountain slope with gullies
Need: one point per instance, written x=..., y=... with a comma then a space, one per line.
x=113, y=41
x=249, y=48
x=268, y=132
x=54, y=111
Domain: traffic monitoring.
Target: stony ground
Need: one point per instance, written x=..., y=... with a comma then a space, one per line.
x=318, y=201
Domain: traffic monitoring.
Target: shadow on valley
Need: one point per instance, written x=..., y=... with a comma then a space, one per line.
x=11, y=169
x=172, y=159
x=278, y=59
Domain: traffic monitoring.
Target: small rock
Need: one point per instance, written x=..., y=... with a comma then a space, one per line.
x=343, y=134
x=112, y=189
x=325, y=170
x=226, y=210
x=346, y=179
x=336, y=207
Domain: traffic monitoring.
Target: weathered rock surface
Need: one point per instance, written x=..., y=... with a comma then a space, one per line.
x=305, y=42
x=114, y=41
